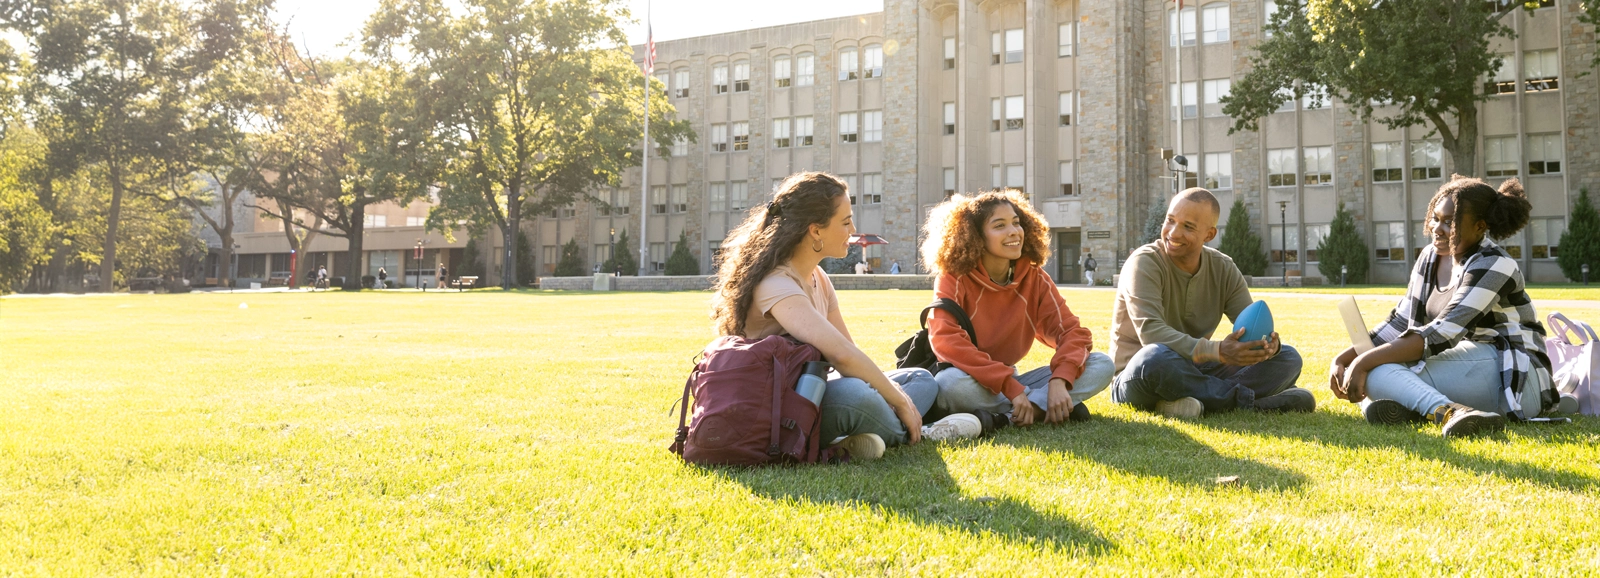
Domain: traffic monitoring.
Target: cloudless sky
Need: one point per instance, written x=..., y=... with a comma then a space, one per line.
x=323, y=25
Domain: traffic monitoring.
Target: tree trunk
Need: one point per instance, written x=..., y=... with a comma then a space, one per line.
x=1466, y=153
x=352, y=278
x=108, y=259
x=225, y=261
x=508, y=270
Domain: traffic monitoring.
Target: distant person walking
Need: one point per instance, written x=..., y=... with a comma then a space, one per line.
x=383, y=278
x=444, y=274
x=862, y=268
x=894, y=268
x=1088, y=267
x=322, y=276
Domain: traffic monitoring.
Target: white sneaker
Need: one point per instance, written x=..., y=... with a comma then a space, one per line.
x=862, y=446
x=953, y=426
x=1186, y=408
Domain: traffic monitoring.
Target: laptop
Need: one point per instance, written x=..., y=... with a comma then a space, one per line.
x=1360, y=338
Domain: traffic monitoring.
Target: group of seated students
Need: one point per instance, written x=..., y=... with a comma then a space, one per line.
x=1463, y=349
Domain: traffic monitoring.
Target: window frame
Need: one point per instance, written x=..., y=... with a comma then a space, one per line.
x=849, y=127
x=782, y=72
x=849, y=64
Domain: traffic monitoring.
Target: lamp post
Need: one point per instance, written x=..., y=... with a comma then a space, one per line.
x=1343, y=270
x=1585, y=273
x=1180, y=173
x=1283, y=240
x=233, y=269
x=417, y=256
x=616, y=268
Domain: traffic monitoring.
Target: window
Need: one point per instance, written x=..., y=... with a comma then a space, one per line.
x=1016, y=178
x=1544, y=237
x=1281, y=170
x=804, y=65
x=949, y=183
x=1190, y=105
x=719, y=138
x=741, y=76
x=780, y=72
x=658, y=256
x=997, y=47
x=719, y=78
x=372, y=221
x=1541, y=70
x=1186, y=26
x=714, y=248
x=1387, y=162
x=1315, y=234
x=1014, y=45
x=780, y=133
x=872, y=65
x=569, y=211
x=1214, y=23
x=680, y=198
x=717, y=197
x=602, y=252
x=802, y=131
x=1425, y=160
x=872, y=189
x=1219, y=170
x=552, y=254
x=1315, y=97
x=997, y=177
x=1064, y=39
x=1319, y=165
x=738, y=193
x=848, y=69
x=1068, y=178
x=996, y=112
x=1065, y=105
x=410, y=222
x=1501, y=156
x=680, y=83
x=1544, y=154
x=1281, y=254
x=1013, y=112
x=666, y=80
x=1214, y=90
x=1286, y=104
x=658, y=200
x=680, y=147
x=847, y=127
x=620, y=207
x=741, y=136
x=949, y=54
x=872, y=131
x=1389, y=240
x=949, y=118
x=1503, y=80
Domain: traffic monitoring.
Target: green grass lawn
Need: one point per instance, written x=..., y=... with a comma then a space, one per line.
x=489, y=432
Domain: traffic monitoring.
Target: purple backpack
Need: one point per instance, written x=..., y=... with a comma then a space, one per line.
x=1575, y=360
x=746, y=411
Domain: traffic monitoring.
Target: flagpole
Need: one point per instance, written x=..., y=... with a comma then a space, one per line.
x=1177, y=57
x=644, y=171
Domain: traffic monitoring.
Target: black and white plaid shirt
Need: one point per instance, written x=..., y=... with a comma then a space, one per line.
x=1490, y=306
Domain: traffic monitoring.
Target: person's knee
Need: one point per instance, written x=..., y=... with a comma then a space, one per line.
x=1289, y=356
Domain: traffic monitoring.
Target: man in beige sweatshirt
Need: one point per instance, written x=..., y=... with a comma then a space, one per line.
x=1172, y=294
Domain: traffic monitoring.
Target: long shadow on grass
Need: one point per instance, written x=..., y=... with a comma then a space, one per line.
x=1422, y=441
x=1151, y=449
x=914, y=484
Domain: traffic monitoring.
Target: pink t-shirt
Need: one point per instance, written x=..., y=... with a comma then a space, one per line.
x=781, y=283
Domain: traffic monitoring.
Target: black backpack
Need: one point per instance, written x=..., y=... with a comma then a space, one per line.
x=917, y=351
x=1088, y=264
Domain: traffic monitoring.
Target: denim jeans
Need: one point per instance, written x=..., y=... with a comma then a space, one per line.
x=1157, y=373
x=1468, y=374
x=850, y=406
x=960, y=393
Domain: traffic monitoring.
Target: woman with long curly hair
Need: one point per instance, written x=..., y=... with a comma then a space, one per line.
x=769, y=282
x=987, y=250
x=1466, y=314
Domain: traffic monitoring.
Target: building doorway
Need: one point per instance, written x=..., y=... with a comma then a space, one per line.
x=1068, y=249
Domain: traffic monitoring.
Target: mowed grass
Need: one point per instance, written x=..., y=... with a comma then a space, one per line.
x=487, y=433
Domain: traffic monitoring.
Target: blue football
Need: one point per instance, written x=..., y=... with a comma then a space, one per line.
x=1256, y=321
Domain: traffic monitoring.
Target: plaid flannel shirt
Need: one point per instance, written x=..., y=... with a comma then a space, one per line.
x=1490, y=306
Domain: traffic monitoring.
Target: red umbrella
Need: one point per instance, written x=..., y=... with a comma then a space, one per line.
x=867, y=239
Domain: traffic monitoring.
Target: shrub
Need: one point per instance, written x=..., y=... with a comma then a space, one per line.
x=1343, y=246
x=368, y=281
x=525, y=271
x=622, y=257
x=571, y=264
x=1241, y=243
x=1580, y=245
x=471, y=264
x=682, y=262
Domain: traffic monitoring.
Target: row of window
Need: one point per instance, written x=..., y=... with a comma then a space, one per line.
x=1541, y=71
x=864, y=126
x=372, y=221
x=1542, y=234
x=1213, y=21
x=799, y=70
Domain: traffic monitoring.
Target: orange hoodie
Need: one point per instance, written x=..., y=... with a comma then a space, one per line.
x=1007, y=320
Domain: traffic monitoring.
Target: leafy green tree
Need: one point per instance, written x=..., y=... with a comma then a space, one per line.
x=25, y=227
x=1343, y=247
x=1580, y=245
x=571, y=264
x=534, y=102
x=526, y=274
x=682, y=262
x=622, y=257
x=1428, y=59
x=1152, y=225
x=1241, y=243
x=471, y=264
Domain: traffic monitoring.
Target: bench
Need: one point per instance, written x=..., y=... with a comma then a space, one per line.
x=467, y=282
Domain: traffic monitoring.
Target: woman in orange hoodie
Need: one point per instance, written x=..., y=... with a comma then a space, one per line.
x=986, y=250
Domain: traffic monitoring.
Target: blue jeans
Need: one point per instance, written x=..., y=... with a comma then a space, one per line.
x=960, y=393
x=1468, y=374
x=850, y=406
x=1157, y=373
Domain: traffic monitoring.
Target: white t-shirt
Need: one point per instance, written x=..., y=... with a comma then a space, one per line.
x=861, y=268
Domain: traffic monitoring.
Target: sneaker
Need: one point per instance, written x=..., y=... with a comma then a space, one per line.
x=1080, y=412
x=1186, y=408
x=862, y=446
x=1569, y=404
x=1456, y=420
x=1296, y=399
x=1389, y=412
x=953, y=426
x=992, y=422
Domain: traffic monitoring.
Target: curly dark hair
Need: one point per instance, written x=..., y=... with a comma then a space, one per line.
x=1505, y=211
x=767, y=237
x=954, y=231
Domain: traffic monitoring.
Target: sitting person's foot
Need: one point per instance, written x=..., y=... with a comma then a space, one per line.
x=1185, y=408
x=1296, y=399
x=1456, y=420
x=1080, y=412
x=953, y=426
x=862, y=446
x=991, y=421
x=1388, y=412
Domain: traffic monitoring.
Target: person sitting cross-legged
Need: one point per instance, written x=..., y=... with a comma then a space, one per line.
x=1171, y=296
x=986, y=250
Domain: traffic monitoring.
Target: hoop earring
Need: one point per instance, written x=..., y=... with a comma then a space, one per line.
x=817, y=246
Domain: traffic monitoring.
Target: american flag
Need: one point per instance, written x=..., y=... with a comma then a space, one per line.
x=649, y=50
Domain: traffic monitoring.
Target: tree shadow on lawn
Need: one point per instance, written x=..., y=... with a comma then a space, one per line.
x=1151, y=449
x=1354, y=433
x=914, y=484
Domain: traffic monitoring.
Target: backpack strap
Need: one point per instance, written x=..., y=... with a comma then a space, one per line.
x=777, y=411
x=954, y=310
x=683, y=415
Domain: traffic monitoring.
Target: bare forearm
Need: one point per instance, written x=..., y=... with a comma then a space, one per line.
x=1403, y=350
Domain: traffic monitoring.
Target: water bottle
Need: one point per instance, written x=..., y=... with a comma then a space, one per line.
x=813, y=382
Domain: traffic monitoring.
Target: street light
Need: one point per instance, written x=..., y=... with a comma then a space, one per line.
x=616, y=265
x=418, y=259
x=1283, y=240
x=1585, y=273
x=1343, y=270
x=1180, y=173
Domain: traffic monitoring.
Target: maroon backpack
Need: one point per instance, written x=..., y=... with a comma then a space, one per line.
x=746, y=411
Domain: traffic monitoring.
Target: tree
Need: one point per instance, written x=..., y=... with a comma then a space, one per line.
x=536, y=103
x=25, y=227
x=526, y=275
x=1580, y=245
x=1343, y=247
x=1241, y=243
x=1152, y=225
x=1426, y=60
x=471, y=264
x=571, y=264
x=682, y=262
x=622, y=257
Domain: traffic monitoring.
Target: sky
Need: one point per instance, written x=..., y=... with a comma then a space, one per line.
x=322, y=25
